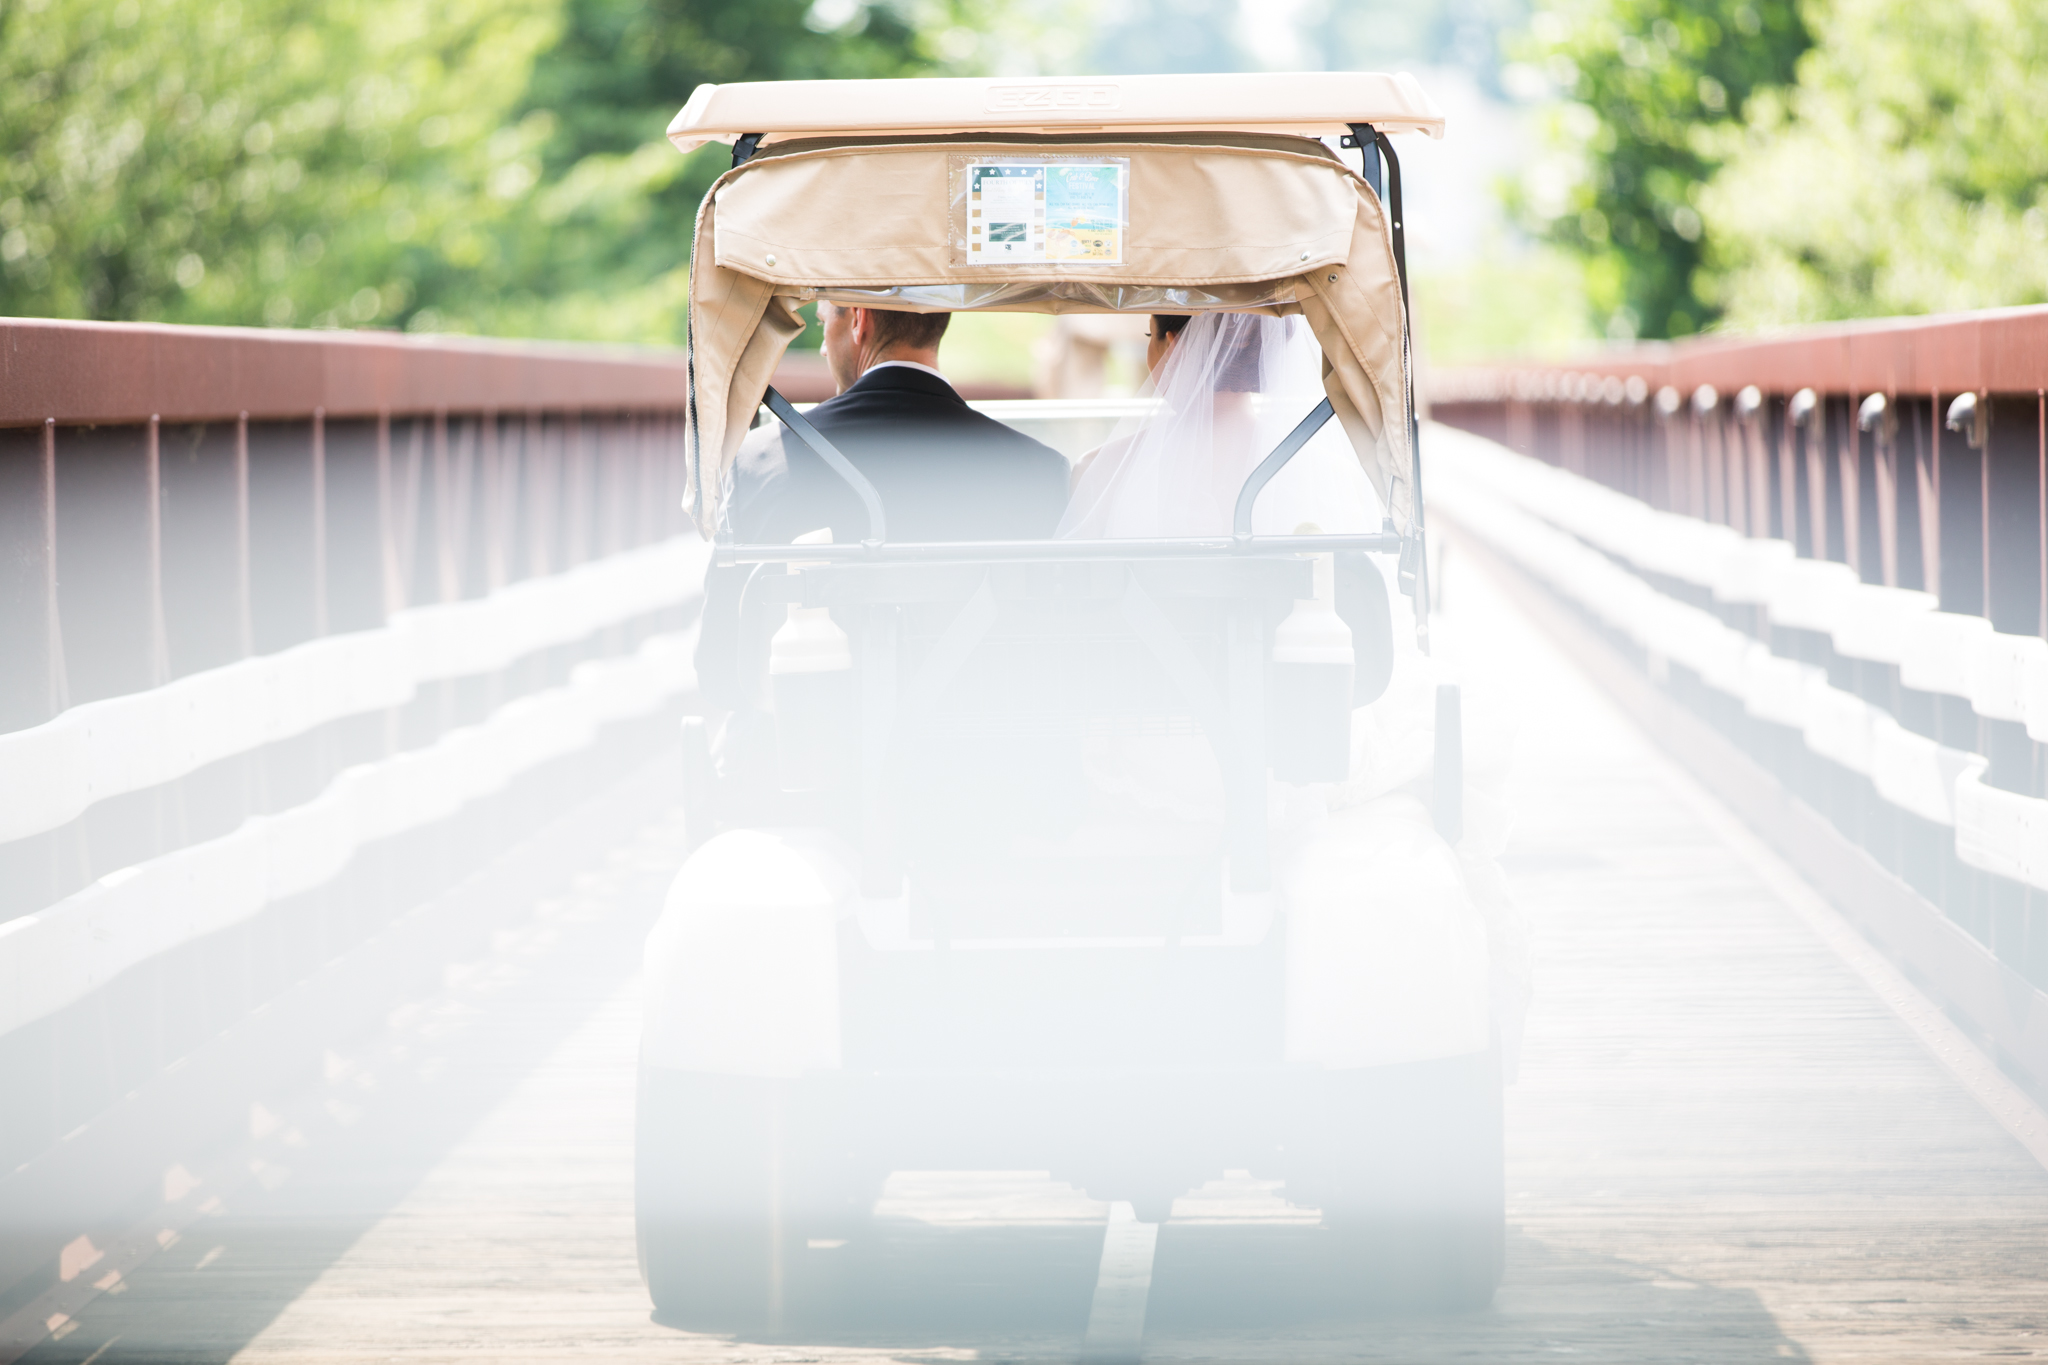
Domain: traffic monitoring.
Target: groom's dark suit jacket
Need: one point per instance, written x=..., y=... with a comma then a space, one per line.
x=944, y=472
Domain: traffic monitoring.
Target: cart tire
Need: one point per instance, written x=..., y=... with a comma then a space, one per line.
x=1443, y=1265
x=704, y=1199
x=707, y=1276
x=729, y=1184
x=1407, y=1164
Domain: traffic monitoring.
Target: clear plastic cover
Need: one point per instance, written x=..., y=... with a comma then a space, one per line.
x=1085, y=295
x=1043, y=209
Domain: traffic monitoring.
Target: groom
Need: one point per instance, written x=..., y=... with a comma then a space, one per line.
x=944, y=471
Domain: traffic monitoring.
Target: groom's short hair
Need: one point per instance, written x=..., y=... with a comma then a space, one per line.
x=918, y=331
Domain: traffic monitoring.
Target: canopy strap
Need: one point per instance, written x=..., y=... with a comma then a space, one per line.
x=878, y=526
x=1241, y=524
x=1420, y=522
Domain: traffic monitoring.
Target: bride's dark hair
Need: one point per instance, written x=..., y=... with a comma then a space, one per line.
x=1238, y=367
x=1237, y=361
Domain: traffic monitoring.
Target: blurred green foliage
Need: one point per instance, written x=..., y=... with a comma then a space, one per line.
x=1907, y=172
x=1398, y=35
x=1651, y=90
x=608, y=255
x=1512, y=301
x=261, y=161
x=448, y=165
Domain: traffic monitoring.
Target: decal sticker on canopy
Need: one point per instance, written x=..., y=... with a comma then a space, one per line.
x=1053, y=211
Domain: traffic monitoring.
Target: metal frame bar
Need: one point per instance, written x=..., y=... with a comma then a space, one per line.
x=1241, y=522
x=878, y=524
x=1241, y=528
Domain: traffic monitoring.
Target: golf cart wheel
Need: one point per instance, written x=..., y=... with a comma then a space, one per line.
x=730, y=1188
x=1407, y=1165
x=704, y=1199
x=708, y=1275
x=1431, y=1264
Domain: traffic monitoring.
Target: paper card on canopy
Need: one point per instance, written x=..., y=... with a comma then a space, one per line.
x=1061, y=210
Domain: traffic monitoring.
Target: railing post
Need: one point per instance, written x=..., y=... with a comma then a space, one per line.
x=153, y=493
x=1927, y=471
x=1838, y=486
x=319, y=520
x=387, y=541
x=447, y=510
x=1959, y=488
x=57, y=689
x=245, y=618
x=576, y=544
x=2012, y=522
x=497, y=488
x=525, y=470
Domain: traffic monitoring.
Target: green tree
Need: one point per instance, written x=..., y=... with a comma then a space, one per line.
x=607, y=251
x=1906, y=173
x=1653, y=86
x=262, y=161
x=1383, y=35
x=457, y=164
x=609, y=240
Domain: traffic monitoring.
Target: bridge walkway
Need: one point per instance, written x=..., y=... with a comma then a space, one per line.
x=1736, y=1136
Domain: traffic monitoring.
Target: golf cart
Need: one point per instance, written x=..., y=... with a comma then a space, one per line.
x=909, y=937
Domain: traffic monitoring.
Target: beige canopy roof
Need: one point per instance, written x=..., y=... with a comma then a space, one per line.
x=1305, y=103
x=1224, y=220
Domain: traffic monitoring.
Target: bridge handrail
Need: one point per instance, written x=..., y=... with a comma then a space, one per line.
x=1998, y=350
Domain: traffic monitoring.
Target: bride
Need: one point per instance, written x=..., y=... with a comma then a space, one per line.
x=1229, y=386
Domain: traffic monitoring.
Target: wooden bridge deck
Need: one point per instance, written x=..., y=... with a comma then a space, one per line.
x=1724, y=1146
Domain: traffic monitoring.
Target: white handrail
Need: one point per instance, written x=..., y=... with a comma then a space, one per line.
x=55, y=957
x=51, y=774
x=1548, y=520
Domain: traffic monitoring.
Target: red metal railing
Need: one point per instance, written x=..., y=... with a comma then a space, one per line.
x=174, y=498
x=1778, y=436
x=203, y=505
x=81, y=372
